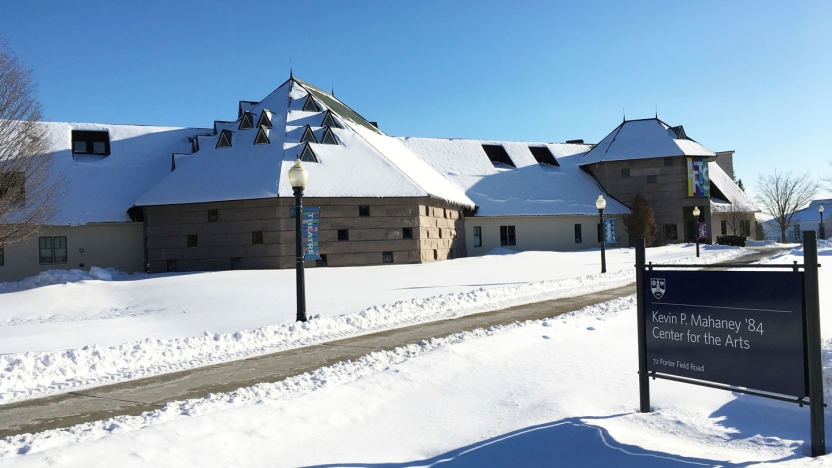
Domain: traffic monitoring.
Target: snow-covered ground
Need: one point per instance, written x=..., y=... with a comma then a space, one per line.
x=556, y=392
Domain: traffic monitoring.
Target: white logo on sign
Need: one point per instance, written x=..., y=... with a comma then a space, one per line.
x=658, y=286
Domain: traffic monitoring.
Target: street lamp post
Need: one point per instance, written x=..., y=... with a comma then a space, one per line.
x=696, y=215
x=297, y=179
x=600, y=203
x=822, y=229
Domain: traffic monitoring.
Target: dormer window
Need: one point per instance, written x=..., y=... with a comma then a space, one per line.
x=308, y=135
x=262, y=137
x=543, y=155
x=265, y=119
x=246, y=121
x=329, y=120
x=90, y=142
x=224, y=140
x=310, y=105
x=307, y=155
x=220, y=124
x=329, y=137
x=497, y=154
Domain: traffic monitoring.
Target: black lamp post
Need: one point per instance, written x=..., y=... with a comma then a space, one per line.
x=600, y=203
x=297, y=179
x=696, y=215
x=822, y=229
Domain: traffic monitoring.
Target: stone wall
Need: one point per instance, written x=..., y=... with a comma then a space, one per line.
x=435, y=229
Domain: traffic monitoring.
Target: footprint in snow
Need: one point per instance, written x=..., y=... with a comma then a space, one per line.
x=545, y=337
x=590, y=328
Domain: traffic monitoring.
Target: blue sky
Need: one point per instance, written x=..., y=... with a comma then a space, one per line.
x=754, y=77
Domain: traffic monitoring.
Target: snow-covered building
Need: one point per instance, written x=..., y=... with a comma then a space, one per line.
x=807, y=219
x=674, y=174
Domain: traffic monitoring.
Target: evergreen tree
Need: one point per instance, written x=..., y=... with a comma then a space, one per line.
x=641, y=222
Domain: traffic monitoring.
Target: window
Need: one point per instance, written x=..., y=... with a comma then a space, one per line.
x=578, y=237
x=262, y=137
x=625, y=173
x=193, y=240
x=308, y=136
x=497, y=154
x=797, y=233
x=477, y=236
x=435, y=254
x=329, y=121
x=363, y=210
x=257, y=237
x=2, y=255
x=90, y=142
x=310, y=105
x=246, y=121
x=507, y=236
x=224, y=141
x=723, y=227
x=407, y=233
x=265, y=119
x=321, y=261
x=213, y=216
x=543, y=155
x=746, y=227
x=329, y=137
x=387, y=257
x=651, y=179
x=343, y=234
x=307, y=155
x=171, y=265
x=671, y=232
x=668, y=161
x=236, y=263
x=13, y=188
x=52, y=249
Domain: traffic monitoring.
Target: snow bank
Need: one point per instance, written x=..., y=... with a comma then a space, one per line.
x=35, y=374
x=824, y=248
x=50, y=277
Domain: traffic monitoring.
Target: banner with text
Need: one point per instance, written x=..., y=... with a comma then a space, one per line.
x=309, y=230
x=699, y=184
x=739, y=328
x=609, y=231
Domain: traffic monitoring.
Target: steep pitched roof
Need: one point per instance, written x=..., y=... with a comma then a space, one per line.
x=530, y=189
x=643, y=139
x=737, y=200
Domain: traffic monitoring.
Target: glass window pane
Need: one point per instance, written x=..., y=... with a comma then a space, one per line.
x=80, y=147
x=98, y=147
x=59, y=247
x=45, y=249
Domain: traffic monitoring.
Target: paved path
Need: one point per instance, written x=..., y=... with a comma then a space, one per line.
x=136, y=396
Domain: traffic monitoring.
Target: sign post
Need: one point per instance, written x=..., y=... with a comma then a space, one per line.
x=813, y=343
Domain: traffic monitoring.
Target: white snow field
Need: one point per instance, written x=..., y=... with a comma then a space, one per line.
x=556, y=392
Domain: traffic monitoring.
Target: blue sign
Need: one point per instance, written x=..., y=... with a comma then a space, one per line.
x=309, y=230
x=738, y=328
x=703, y=230
x=609, y=231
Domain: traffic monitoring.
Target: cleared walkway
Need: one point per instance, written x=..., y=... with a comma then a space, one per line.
x=137, y=396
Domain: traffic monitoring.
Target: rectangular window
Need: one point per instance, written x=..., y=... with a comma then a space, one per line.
x=407, y=233
x=52, y=249
x=171, y=265
x=671, y=232
x=578, y=237
x=625, y=173
x=45, y=245
x=2, y=255
x=746, y=227
x=59, y=244
x=497, y=155
x=723, y=227
x=193, y=240
x=257, y=237
x=507, y=236
x=236, y=263
x=477, y=236
x=651, y=179
x=292, y=211
x=91, y=142
x=387, y=257
x=543, y=155
x=363, y=210
x=797, y=233
x=343, y=234
x=668, y=161
x=213, y=216
x=321, y=261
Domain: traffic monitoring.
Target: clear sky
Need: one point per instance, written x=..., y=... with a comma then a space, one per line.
x=753, y=76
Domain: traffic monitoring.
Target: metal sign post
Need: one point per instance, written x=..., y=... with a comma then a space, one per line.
x=813, y=342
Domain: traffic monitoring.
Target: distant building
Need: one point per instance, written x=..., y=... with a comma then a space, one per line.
x=807, y=219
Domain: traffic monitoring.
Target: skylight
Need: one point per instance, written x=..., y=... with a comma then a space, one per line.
x=329, y=121
x=543, y=155
x=329, y=137
x=310, y=105
x=246, y=121
x=497, y=154
x=307, y=155
x=224, y=140
x=262, y=137
x=265, y=119
x=308, y=136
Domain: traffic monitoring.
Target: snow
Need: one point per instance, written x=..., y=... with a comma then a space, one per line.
x=529, y=189
x=737, y=199
x=642, y=139
x=50, y=277
x=562, y=390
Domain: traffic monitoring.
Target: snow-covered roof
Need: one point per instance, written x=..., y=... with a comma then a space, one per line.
x=101, y=188
x=530, y=188
x=737, y=200
x=643, y=139
x=809, y=215
x=364, y=163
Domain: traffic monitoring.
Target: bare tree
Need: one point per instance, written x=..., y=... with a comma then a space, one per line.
x=782, y=194
x=738, y=220
x=28, y=188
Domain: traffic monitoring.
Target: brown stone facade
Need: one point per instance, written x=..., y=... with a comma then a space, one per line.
x=256, y=234
x=663, y=185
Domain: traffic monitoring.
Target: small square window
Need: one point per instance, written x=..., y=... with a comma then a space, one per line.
x=343, y=234
x=257, y=237
x=213, y=216
x=292, y=211
x=363, y=210
x=80, y=147
x=625, y=173
x=98, y=147
x=193, y=240
x=477, y=236
x=578, y=236
x=387, y=257
x=651, y=179
x=668, y=161
x=670, y=231
x=171, y=265
x=321, y=261
x=236, y=263
x=407, y=233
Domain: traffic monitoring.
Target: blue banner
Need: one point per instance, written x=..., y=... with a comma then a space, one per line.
x=703, y=230
x=609, y=231
x=309, y=230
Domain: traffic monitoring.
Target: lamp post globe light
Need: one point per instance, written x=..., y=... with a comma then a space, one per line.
x=822, y=228
x=696, y=215
x=600, y=203
x=297, y=179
